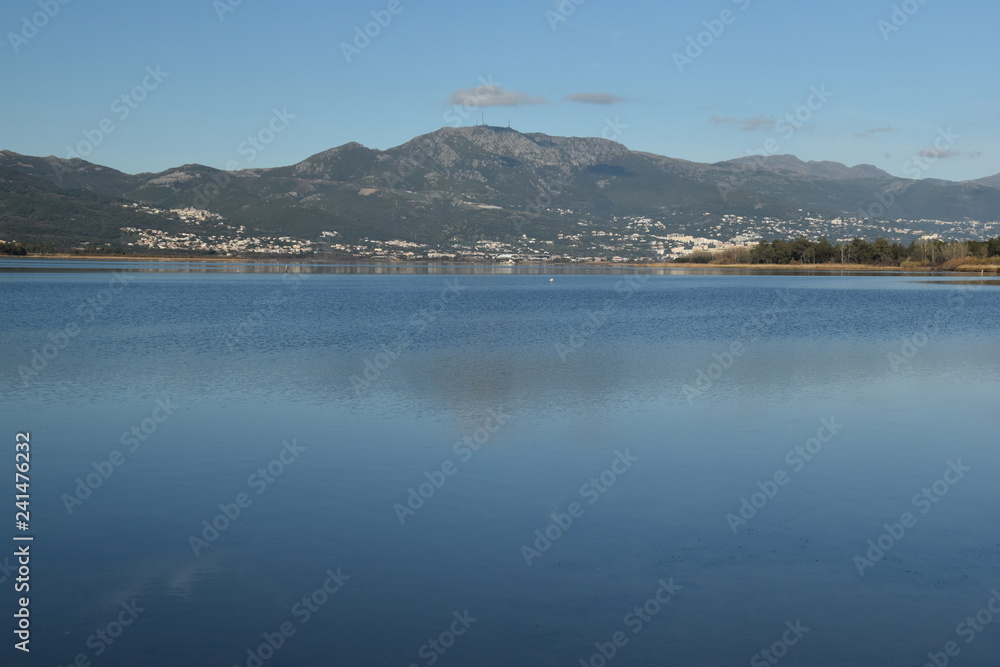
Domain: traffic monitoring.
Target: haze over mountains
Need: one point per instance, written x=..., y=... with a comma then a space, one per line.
x=464, y=185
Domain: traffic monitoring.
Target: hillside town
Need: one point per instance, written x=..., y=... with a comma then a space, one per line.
x=619, y=239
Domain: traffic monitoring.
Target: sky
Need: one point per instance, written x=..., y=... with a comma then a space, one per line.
x=911, y=86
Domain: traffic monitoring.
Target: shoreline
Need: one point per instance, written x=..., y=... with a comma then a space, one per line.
x=798, y=268
x=818, y=268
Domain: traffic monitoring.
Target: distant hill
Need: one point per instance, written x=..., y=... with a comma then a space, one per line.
x=489, y=182
x=789, y=165
x=33, y=209
x=989, y=181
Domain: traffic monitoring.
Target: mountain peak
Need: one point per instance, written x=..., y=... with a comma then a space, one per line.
x=341, y=163
x=449, y=144
x=790, y=165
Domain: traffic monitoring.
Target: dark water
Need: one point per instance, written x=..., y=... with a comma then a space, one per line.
x=625, y=417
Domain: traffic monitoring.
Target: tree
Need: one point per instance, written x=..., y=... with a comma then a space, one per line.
x=881, y=252
x=824, y=251
x=860, y=251
x=782, y=251
x=12, y=248
x=803, y=250
x=762, y=253
x=899, y=253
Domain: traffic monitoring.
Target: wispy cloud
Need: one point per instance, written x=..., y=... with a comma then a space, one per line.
x=939, y=154
x=492, y=96
x=746, y=124
x=757, y=123
x=874, y=130
x=594, y=98
x=947, y=153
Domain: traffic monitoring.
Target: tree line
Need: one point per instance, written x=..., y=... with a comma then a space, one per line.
x=20, y=249
x=880, y=252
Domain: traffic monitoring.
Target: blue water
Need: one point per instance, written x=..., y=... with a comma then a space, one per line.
x=640, y=411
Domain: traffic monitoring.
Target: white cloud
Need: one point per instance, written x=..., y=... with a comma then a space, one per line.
x=492, y=96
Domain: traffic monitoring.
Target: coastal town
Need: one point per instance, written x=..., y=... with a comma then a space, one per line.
x=618, y=239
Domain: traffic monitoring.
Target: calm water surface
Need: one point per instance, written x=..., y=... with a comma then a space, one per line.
x=727, y=444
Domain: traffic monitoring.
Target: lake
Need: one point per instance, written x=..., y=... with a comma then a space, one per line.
x=241, y=466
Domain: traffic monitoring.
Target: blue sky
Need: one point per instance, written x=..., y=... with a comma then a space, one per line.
x=917, y=95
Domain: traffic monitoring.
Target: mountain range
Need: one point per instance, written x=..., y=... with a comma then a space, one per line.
x=472, y=183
